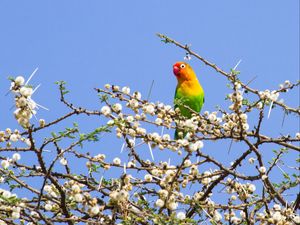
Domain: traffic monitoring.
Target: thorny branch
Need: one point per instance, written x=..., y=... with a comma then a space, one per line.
x=193, y=185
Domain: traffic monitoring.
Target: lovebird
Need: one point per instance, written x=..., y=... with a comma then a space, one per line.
x=189, y=92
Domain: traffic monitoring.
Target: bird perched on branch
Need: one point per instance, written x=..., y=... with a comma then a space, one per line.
x=189, y=95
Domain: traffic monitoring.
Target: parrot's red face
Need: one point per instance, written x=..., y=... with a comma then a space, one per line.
x=179, y=68
x=184, y=72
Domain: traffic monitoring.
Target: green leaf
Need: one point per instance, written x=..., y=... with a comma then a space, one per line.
x=65, y=92
x=61, y=82
x=235, y=72
x=286, y=176
x=11, y=78
x=53, y=134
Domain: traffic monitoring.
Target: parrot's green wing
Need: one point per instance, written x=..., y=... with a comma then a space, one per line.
x=184, y=103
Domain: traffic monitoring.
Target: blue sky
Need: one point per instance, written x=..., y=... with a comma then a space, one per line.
x=91, y=43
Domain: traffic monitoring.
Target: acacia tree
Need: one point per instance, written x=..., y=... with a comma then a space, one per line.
x=196, y=188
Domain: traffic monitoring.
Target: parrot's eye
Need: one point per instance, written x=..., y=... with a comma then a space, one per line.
x=182, y=66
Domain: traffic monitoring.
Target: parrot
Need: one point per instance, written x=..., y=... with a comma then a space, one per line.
x=189, y=92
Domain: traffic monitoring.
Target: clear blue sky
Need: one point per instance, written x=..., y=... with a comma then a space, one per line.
x=91, y=43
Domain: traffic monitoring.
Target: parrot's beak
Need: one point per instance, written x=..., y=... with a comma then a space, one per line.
x=176, y=70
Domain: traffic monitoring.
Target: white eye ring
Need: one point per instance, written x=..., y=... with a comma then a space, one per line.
x=182, y=66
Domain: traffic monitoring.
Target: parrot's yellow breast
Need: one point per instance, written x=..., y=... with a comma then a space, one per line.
x=190, y=88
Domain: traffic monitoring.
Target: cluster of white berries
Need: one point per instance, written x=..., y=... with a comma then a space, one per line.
x=166, y=199
x=117, y=161
x=6, y=194
x=189, y=125
x=195, y=146
x=148, y=177
x=118, y=196
x=7, y=162
x=99, y=157
x=285, y=86
x=25, y=106
x=15, y=212
x=233, y=218
x=15, y=209
x=244, y=191
x=235, y=124
x=181, y=215
x=51, y=190
x=269, y=96
x=278, y=215
x=214, y=215
x=74, y=191
x=105, y=110
x=237, y=100
x=263, y=171
x=63, y=161
x=10, y=137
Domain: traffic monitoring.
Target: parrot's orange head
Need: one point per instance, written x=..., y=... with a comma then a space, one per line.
x=183, y=71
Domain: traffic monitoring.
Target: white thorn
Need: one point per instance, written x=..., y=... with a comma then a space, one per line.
x=158, y=178
x=43, y=107
x=281, y=169
x=36, y=88
x=237, y=64
x=35, y=116
x=45, y=150
x=31, y=75
x=100, y=183
x=208, y=215
x=242, y=187
x=37, y=105
x=151, y=151
x=270, y=109
x=162, y=131
x=122, y=148
x=124, y=168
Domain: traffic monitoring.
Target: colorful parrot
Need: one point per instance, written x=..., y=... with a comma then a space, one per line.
x=188, y=91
